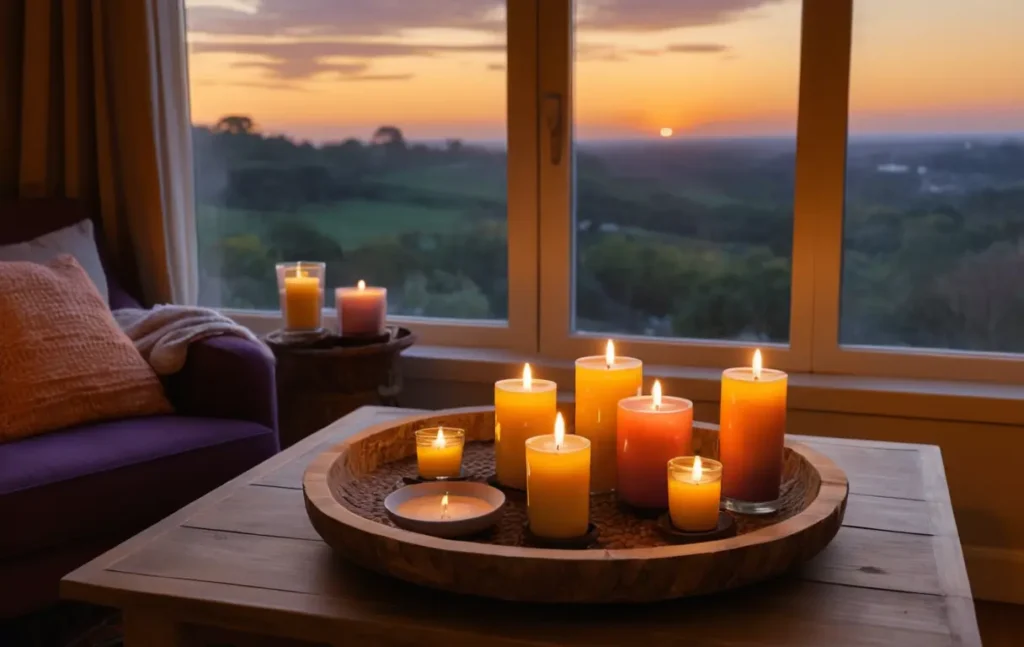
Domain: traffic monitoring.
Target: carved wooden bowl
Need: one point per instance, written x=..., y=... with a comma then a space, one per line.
x=630, y=560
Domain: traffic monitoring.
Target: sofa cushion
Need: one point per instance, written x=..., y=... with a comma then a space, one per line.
x=78, y=240
x=117, y=477
x=63, y=358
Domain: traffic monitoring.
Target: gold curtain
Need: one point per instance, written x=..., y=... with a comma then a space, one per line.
x=91, y=124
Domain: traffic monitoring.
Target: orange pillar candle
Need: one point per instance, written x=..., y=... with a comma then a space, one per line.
x=751, y=437
x=558, y=484
x=522, y=409
x=694, y=493
x=651, y=430
x=601, y=381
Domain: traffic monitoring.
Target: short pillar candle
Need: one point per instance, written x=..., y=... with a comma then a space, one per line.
x=439, y=452
x=362, y=310
x=651, y=430
x=751, y=437
x=523, y=408
x=558, y=484
x=300, y=287
x=694, y=493
x=601, y=381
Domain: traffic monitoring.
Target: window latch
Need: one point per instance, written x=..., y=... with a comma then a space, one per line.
x=555, y=125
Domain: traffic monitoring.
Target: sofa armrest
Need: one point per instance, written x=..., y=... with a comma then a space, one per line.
x=226, y=377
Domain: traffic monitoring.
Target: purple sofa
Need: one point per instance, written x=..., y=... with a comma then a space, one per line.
x=69, y=495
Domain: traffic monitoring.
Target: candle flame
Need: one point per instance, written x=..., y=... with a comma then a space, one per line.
x=361, y=285
x=757, y=364
x=439, y=441
x=656, y=394
x=609, y=354
x=698, y=469
x=527, y=378
x=444, y=505
x=559, y=431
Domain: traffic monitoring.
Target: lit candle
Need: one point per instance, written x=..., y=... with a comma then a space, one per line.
x=361, y=310
x=558, y=484
x=301, y=292
x=450, y=507
x=751, y=437
x=601, y=381
x=651, y=430
x=694, y=493
x=522, y=409
x=439, y=452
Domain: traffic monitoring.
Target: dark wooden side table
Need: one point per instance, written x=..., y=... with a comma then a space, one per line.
x=321, y=381
x=244, y=559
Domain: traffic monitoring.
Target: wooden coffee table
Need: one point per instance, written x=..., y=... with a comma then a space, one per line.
x=245, y=560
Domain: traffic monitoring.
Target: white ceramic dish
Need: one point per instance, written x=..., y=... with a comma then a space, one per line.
x=483, y=512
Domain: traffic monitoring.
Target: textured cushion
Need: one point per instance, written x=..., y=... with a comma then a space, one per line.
x=63, y=359
x=117, y=477
x=77, y=240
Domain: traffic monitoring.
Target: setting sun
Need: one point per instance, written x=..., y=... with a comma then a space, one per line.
x=665, y=132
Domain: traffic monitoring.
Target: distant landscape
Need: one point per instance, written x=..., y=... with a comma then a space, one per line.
x=687, y=238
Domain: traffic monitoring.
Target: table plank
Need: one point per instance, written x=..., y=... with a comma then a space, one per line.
x=878, y=559
x=885, y=513
x=785, y=612
x=876, y=471
x=255, y=510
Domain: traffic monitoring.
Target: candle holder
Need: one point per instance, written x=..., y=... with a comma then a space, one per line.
x=445, y=509
x=694, y=493
x=362, y=310
x=439, y=453
x=584, y=541
x=300, y=287
x=726, y=527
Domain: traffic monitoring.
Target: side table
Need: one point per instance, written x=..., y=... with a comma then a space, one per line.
x=319, y=382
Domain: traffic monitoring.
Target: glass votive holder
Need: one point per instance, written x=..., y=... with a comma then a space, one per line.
x=694, y=493
x=439, y=452
x=301, y=288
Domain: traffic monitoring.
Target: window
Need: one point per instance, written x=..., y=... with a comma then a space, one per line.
x=685, y=142
x=933, y=241
x=835, y=181
x=366, y=137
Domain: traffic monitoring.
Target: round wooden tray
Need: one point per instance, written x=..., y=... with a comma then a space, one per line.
x=630, y=561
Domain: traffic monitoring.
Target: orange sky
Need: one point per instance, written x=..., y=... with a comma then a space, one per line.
x=919, y=66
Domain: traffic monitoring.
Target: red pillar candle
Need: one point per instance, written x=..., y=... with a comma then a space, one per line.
x=651, y=429
x=751, y=437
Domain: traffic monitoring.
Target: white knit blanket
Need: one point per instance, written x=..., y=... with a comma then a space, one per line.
x=162, y=335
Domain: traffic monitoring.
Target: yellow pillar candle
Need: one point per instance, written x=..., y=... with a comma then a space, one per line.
x=301, y=291
x=694, y=493
x=522, y=409
x=558, y=484
x=601, y=381
x=439, y=452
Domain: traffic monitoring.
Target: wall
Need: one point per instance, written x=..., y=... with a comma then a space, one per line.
x=984, y=468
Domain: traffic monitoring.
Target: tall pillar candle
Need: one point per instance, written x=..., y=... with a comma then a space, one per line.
x=558, y=484
x=651, y=430
x=601, y=381
x=301, y=289
x=361, y=310
x=751, y=437
x=522, y=409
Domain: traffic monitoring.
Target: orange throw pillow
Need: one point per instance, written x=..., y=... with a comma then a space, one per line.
x=63, y=359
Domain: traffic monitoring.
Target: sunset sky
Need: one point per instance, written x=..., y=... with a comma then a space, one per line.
x=328, y=69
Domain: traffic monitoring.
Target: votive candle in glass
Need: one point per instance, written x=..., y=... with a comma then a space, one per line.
x=362, y=310
x=300, y=286
x=694, y=493
x=523, y=408
x=558, y=484
x=601, y=381
x=751, y=437
x=439, y=452
x=651, y=430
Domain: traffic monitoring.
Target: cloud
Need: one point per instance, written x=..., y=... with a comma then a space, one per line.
x=321, y=18
x=697, y=48
x=381, y=77
x=496, y=67
x=303, y=59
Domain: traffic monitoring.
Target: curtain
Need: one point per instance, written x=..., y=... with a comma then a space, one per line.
x=102, y=116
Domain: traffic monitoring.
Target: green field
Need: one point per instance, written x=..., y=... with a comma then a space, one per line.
x=351, y=223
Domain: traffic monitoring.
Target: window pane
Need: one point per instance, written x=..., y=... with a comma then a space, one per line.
x=354, y=133
x=934, y=232
x=685, y=148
